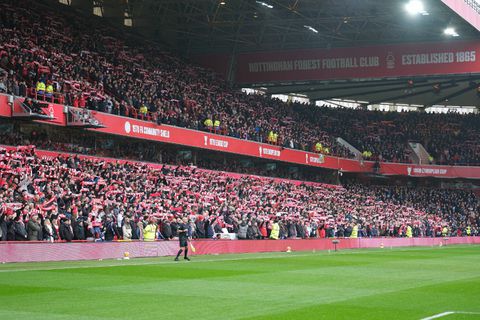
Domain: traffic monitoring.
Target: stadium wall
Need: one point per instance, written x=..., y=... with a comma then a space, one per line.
x=41, y=251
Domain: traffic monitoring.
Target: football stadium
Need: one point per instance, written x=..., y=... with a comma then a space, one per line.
x=240, y=159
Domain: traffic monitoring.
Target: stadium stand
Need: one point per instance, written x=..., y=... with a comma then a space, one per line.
x=450, y=138
x=197, y=157
x=98, y=73
x=74, y=198
x=59, y=58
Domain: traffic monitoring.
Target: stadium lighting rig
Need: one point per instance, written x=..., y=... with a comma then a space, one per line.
x=450, y=32
x=415, y=7
x=262, y=3
x=311, y=29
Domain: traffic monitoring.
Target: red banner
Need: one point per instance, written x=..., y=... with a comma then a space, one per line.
x=416, y=59
x=413, y=170
x=164, y=133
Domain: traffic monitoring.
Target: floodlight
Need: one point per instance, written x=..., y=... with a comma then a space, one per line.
x=415, y=7
x=262, y=3
x=450, y=32
x=311, y=28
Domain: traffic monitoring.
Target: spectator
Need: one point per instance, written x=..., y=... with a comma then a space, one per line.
x=19, y=231
x=150, y=231
x=127, y=229
x=34, y=229
x=48, y=232
x=66, y=231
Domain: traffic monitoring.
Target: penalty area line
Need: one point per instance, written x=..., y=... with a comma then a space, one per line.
x=447, y=313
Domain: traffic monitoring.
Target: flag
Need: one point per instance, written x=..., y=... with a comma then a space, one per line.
x=192, y=247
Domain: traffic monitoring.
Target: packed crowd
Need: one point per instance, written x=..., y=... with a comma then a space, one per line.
x=83, y=143
x=86, y=144
x=460, y=208
x=75, y=198
x=449, y=138
x=98, y=67
x=122, y=75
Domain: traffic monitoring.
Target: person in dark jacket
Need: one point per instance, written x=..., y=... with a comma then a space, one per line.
x=79, y=229
x=209, y=227
x=135, y=230
x=33, y=228
x=200, y=227
x=110, y=231
x=3, y=226
x=66, y=230
x=10, y=230
x=283, y=230
x=347, y=231
x=252, y=231
x=300, y=230
x=340, y=231
x=166, y=230
x=292, y=230
x=174, y=228
x=20, y=233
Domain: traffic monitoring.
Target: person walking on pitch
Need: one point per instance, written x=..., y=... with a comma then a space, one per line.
x=183, y=238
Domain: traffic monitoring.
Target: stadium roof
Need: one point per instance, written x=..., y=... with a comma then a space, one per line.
x=426, y=91
x=251, y=25
x=199, y=26
x=193, y=27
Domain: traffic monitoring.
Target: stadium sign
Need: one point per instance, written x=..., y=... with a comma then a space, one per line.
x=215, y=142
x=413, y=171
x=414, y=59
x=269, y=152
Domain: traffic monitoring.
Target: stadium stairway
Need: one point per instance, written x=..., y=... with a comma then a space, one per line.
x=420, y=154
x=352, y=149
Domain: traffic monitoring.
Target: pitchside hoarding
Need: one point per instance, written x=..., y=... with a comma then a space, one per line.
x=459, y=57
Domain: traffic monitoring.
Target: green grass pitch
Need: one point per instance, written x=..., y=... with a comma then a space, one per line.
x=402, y=283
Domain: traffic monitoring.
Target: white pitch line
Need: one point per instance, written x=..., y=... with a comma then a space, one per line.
x=447, y=313
x=439, y=315
x=466, y=312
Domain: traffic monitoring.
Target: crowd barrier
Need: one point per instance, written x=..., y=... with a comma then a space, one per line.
x=41, y=251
